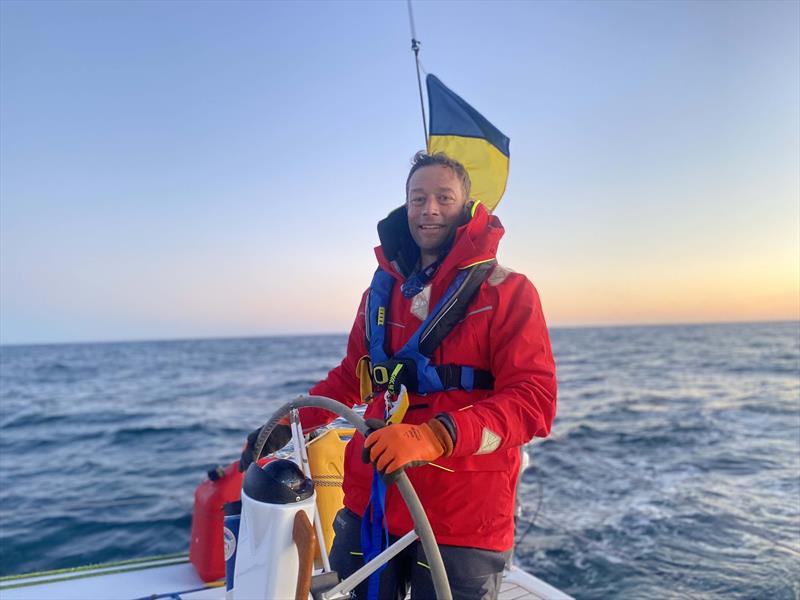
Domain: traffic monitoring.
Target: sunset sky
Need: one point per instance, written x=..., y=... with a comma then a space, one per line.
x=197, y=169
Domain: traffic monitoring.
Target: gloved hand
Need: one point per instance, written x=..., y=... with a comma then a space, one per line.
x=278, y=438
x=374, y=425
x=400, y=445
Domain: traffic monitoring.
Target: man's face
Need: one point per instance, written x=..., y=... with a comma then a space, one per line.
x=435, y=207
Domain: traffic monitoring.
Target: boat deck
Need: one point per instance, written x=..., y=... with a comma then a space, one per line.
x=174, y=578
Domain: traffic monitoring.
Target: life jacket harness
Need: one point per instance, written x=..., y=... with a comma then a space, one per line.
x=411, y=365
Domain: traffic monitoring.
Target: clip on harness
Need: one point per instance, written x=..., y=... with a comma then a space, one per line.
x=411, y=365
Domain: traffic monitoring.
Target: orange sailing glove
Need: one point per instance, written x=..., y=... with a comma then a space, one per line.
x=400, y=445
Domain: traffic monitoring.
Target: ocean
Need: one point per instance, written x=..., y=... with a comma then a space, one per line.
x=673, y=468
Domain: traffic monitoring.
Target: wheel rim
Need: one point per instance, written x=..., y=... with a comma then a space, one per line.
x=422, y=526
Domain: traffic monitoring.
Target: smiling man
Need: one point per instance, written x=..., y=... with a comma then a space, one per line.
x=436, y=203
x=468, y=340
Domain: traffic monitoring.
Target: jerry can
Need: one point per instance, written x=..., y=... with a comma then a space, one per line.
x=207, y=547
x=206, y=551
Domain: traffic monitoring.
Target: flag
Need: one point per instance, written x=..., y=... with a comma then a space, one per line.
x=464, y=134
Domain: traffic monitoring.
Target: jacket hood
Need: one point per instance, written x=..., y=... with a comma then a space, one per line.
x=475, y=241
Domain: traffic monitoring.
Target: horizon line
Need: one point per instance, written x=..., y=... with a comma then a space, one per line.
x=345, y=333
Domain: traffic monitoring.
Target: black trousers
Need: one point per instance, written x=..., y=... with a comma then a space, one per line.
x=474, y=574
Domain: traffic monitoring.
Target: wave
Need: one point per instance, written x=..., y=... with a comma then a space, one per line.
x=669, y=443
x=191, y=433
x=62, y=373
x=303, y=385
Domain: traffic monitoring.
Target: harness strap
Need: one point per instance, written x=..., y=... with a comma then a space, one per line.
x=464, y=378
x=374, y=533
x=411, y=364
x=364, y=374
x=452, y=308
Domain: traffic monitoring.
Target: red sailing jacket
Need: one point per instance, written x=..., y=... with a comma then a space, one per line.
x=469, y=496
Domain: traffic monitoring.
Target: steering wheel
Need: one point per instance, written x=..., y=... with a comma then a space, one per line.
x=422, y=526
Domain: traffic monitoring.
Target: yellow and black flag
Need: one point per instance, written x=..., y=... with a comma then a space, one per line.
x=463, y=133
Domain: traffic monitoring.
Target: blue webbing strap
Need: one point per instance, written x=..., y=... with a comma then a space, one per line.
x=429, y=380
x=374, y=533
x=374, y=529
x=428, y=377
x=467, y=378
x=379, y=293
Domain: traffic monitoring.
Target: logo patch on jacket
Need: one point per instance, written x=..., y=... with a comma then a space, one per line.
x=499, y=274
x=490, y=441
x=419, y=303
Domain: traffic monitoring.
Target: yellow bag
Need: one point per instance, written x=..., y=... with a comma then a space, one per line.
x=326, y=460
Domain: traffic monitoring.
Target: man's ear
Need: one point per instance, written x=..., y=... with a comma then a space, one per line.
x=469, y=207
x=467, y=214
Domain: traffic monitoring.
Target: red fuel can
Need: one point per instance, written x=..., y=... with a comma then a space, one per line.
x=207, y=548
x=206, y=551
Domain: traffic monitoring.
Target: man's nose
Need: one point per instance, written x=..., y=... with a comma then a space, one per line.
x=431, y=206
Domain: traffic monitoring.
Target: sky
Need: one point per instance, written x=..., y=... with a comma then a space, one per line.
x=217, y=169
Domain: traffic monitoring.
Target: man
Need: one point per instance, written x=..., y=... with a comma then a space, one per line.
x=489, y=387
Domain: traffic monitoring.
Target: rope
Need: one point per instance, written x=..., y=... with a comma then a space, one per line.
x=586, y=541
x=754, y=531
x=535, y=512
x=415, y=44
x=627, y=561
x=623, y=559
x=328, y=481
x=680, y=581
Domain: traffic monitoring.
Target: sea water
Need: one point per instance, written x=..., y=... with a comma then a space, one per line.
x=672, y=471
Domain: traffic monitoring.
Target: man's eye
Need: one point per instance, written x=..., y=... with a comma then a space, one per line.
x=446, y=199
x=418, y=200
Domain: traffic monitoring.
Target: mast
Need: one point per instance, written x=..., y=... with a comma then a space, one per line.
x=415, y=44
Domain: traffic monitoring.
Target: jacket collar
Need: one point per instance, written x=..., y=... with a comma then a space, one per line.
x=476, y=241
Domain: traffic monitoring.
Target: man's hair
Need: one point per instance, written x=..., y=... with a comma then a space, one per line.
x=422, y=159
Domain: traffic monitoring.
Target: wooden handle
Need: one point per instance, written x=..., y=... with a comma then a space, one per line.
x=305, y=538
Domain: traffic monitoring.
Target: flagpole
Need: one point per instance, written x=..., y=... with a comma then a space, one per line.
x=415, y=47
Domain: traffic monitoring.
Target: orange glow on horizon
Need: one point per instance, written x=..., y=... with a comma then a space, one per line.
x=690, y=298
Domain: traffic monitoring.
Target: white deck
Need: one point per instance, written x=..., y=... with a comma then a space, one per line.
x=174, y=577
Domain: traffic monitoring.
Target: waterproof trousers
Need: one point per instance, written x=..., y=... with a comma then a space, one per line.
x=474, y=574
